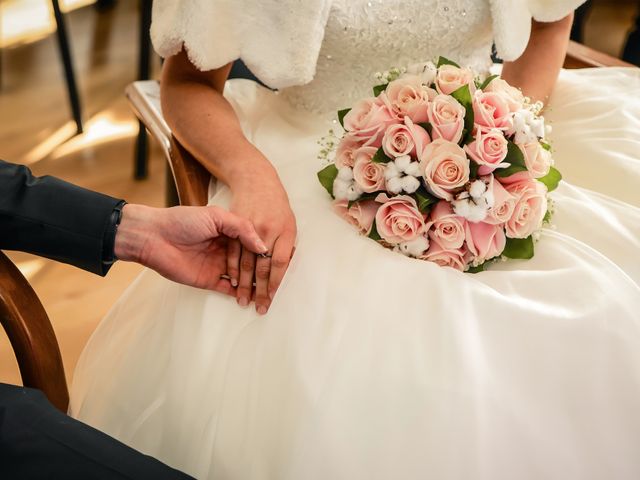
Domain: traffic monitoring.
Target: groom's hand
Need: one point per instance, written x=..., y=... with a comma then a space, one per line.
x=184, y=244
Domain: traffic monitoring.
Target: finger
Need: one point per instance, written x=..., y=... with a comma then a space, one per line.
x=282, y=252
x=234, y=226
x=224, y=286
x=234, y=249
x=263, y=271
x=245, y=283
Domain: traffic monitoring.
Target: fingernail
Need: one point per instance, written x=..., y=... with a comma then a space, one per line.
x=262, y=309
x=243, y=301
x=262, y=247
x=271, y=295
x=234, y=282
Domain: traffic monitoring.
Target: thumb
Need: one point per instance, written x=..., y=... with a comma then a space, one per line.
x=234, y=226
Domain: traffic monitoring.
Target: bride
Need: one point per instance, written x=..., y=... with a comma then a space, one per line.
x=368, y=364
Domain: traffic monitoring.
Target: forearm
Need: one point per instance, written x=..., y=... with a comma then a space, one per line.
x=205, y=123
x=537, y=69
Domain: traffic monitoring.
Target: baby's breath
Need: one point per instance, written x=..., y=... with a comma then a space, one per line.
x=328, y=144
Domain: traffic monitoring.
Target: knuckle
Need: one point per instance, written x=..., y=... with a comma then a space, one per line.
x=244, y=292
x=262, y=271
x=279, y=262
x=246, y=265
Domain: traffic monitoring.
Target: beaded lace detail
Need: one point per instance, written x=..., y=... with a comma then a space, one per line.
x=367, y=36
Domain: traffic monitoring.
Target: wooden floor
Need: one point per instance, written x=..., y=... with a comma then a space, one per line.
x=34, y=122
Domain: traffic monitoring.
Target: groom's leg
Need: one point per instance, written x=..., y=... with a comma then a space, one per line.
x=38, y=441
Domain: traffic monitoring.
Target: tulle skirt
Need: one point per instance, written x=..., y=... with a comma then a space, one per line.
x=371, y=365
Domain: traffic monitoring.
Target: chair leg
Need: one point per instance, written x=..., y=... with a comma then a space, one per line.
x=144, y=72
x=65, y=53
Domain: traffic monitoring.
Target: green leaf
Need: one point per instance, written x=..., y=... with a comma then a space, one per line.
x=380, y=157
x=327, y=176
x=373, y=234
x=427, y=126
x=424, y=200
x=378, y=89
x=515, y=159
x=546, y=146
x=463, y=96
x=551, y=179
x=473, y=169
x=341, y=115
x=446, y=61
x=520, y=248
x=478, y=269
x=489, y=79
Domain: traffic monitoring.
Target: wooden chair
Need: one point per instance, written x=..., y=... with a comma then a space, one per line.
x=31, y=335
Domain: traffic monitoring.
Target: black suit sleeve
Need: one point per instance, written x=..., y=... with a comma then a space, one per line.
x=54, y=219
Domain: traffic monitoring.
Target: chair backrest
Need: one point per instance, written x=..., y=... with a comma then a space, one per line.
x=581, y=56
x=31, y=335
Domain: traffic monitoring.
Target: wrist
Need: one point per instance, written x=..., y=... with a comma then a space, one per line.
x=135, y=227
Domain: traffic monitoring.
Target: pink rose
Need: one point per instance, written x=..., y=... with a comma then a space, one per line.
x=345, y=153
x=408, y=97
x=536, y=158
x=407, y=139
x=368, y=119
x=490, y=110
x=445, y=168
x=530, y=207
x=488, y=150
x=361, y=214
x=450, y=78
x=503, y=205
x=447, y=228
x=446, y=116
x=398, y=219
x=484, y=240
x=454, y=258
x=369, y=176
x=512, y=95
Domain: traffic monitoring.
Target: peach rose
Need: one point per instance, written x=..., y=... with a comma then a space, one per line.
x=488, y=150
x=537, y=159
x=369, y=176
x=512, y=95
x=368, y=119
x=445, y=168
x=345, y=152
x=530, y=207
x=398, y=219
x=490, y=110
x=484, y=240
x=407, y=139
x=450, y=78
x=455, y=258
x=361, y=214
x=503, y=205
x=447, y=228
x=446, y=116
x=408, y=97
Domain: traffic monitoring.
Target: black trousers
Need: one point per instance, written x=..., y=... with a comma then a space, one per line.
x=37, y=441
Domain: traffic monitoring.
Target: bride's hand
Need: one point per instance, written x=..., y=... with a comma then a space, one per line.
x=261, y=198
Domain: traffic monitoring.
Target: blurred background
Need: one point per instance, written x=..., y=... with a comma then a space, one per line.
x=64, y=65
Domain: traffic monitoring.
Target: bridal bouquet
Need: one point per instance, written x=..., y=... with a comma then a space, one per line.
x=442, y=166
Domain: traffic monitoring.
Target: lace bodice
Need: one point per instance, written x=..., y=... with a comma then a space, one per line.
x=367, y=36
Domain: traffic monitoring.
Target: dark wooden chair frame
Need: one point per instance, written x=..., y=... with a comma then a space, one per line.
x=23, y=316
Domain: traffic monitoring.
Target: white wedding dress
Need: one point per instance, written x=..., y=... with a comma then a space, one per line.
x=371, y=365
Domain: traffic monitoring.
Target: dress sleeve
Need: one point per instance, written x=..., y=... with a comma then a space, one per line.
x=279, y=40
x=512, y=21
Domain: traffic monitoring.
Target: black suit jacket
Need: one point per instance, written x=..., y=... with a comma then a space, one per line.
x=52, y=218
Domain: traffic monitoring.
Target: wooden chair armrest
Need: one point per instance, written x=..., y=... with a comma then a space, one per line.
x=31, y=335
x=581, y=56
x=191, y=178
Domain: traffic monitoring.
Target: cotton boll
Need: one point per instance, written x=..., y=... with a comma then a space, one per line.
x=391, y=171
x=340, y=188
x=477, y=188
x=413, y=169
x=394, y=185
x=353, y=192
x=468, y=209
x=415, y=247
x=403, y=162
x=410, y=184
x=345, y=173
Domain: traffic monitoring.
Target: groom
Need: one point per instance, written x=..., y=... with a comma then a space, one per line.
x=49, y=217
